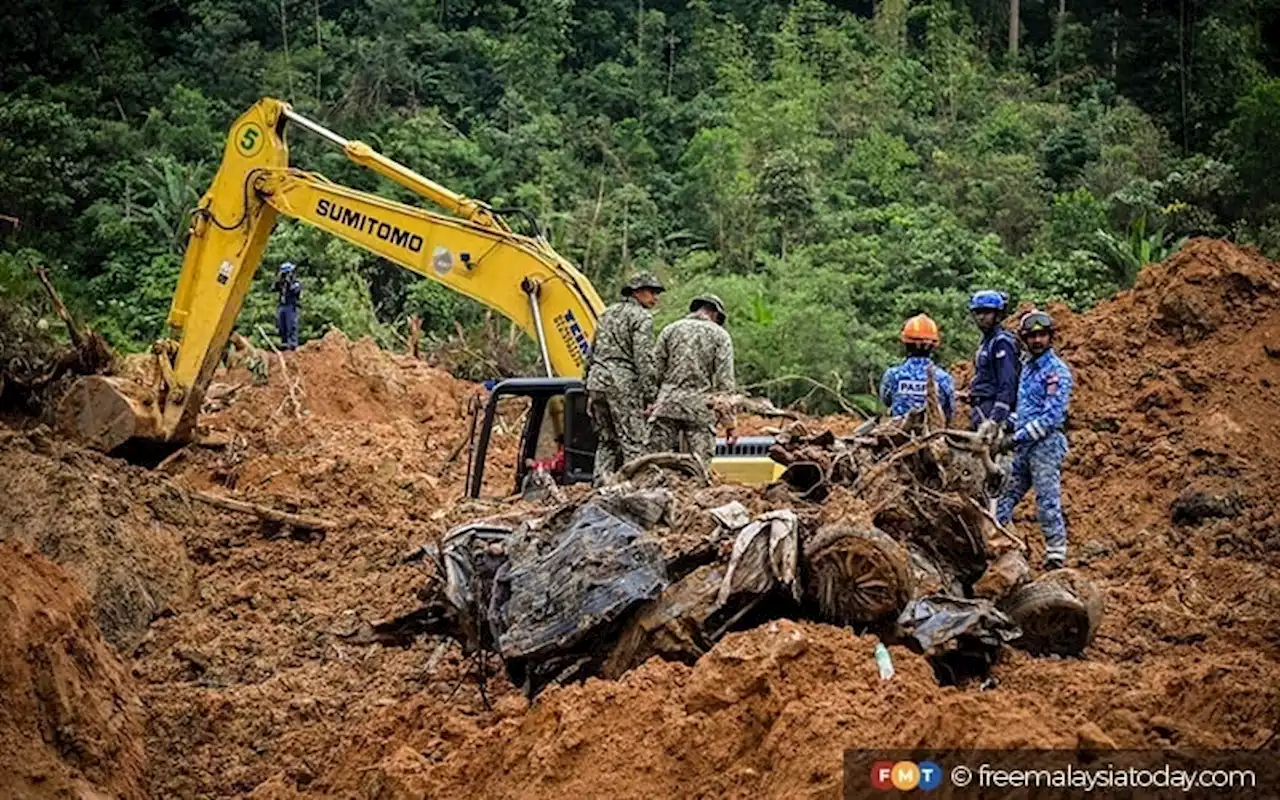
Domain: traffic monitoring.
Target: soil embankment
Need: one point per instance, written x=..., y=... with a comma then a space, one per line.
x=249, y=685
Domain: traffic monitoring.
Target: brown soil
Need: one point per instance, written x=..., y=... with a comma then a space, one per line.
x=70, y=720
x=250, y=686
x=118, y=530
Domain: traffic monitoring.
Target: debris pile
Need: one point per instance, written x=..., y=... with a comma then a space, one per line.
x=251, y=684
x=884, y=531
x=35, y=367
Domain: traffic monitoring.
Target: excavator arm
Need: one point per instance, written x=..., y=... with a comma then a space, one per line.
x=470, y=249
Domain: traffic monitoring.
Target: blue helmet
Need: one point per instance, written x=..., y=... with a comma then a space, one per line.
x=286, y=268
x=988, y=300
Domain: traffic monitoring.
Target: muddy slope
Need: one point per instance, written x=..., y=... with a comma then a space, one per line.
x=71, y=724
x=1175, y=408
x=250, y=686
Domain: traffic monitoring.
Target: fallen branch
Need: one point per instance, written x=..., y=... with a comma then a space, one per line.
x=262, y=512
x=1005, y=532
x=845, y=405
x=284, y=372
x=77, y=339
x=176, y=455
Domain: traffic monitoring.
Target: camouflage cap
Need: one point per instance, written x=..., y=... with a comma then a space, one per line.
x=709, y=300
x=642, y=280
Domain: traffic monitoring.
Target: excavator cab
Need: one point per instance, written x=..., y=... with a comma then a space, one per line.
x=557, y=408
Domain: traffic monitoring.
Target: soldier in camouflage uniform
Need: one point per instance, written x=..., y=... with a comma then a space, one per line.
x=695, y=362
x=620, y=376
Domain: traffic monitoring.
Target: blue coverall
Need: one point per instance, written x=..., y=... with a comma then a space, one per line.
x=1040, y=445
x=903, y=387
x=994, y=391
x=288, y=292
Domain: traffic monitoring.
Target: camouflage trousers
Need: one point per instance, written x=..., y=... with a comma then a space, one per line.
x=622, y=432
x=683, y=436
x=1039, y=466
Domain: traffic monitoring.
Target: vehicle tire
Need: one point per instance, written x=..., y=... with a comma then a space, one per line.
x=1059, y=613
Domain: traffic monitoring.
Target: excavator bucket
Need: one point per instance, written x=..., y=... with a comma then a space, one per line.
x=106, y=413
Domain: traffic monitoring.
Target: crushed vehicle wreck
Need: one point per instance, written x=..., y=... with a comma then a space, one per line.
x=884, y=531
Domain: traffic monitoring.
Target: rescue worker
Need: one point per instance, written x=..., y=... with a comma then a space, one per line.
x=694, y=362
x=288, y=291
x=904, y=386
x=620, y=377
x=1039, y=443
x=993, y=393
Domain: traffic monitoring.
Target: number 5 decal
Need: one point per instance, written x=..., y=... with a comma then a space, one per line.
x=249, y=139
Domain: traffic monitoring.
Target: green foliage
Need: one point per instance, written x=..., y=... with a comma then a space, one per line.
x=828, y=173
x=1253, y=145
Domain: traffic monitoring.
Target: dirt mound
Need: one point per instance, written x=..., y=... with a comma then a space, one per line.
x=252, y=686
x=117, y=529
x=761, y=714
x=70, y=720
x=253, y=680
x=377, y=435
x=1174, y=399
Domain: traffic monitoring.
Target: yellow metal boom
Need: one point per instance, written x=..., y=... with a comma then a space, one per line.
x=471, y=250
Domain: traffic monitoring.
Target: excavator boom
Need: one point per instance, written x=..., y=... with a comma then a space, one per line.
x=471, y=249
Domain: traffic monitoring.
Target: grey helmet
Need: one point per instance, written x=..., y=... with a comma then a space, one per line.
x=642, y=280
x=710, y=300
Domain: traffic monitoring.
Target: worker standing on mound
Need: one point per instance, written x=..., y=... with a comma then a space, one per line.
x=288, y=291
x=1038, y=441
x=994, y=391
x=695, y=363
x=620, y=376
x=905, y=386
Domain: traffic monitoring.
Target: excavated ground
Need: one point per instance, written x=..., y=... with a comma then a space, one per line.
x=248, y=687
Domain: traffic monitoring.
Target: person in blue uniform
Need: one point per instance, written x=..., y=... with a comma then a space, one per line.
x=288, y=291
x=1039, y=442
x=903, y=386
x=993, y=393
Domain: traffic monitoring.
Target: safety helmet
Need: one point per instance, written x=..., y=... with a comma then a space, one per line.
x=286, y=267
x=711, y=301
x=1034, y=321
x=642, y=280
x=920, y=330
x=988, y=300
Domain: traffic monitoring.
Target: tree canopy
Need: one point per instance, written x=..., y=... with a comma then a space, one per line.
x=829, y=168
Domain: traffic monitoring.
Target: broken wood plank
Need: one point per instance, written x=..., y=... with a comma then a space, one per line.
x=263, y=512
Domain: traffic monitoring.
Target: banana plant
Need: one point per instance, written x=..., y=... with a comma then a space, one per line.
x=1128, y=255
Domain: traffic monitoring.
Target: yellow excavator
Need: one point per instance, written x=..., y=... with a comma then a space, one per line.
x=470, y=248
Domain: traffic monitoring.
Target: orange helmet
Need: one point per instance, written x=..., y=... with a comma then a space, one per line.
x=920, y=329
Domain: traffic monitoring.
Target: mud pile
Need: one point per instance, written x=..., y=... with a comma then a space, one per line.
x=1174, y=409
x=342, y=425
x=253, y=681
x=251, y=684
x=118, y=530
x=70, y=720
